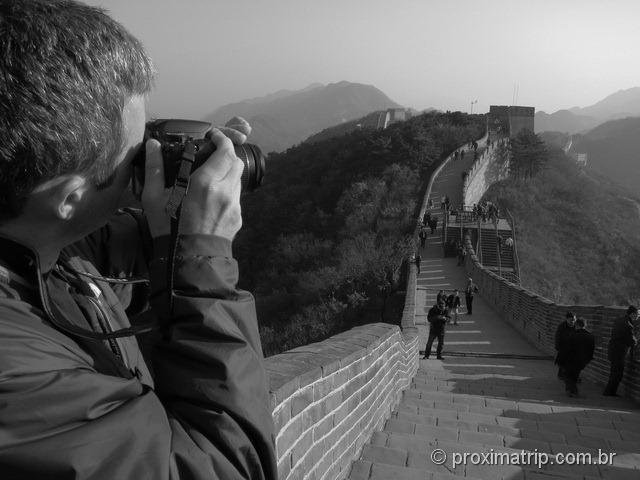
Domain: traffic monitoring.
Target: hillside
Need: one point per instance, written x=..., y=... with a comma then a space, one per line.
x=621, y=104
x=613, y=150
x=286, y=118
x=324, y=239
x=578, y=238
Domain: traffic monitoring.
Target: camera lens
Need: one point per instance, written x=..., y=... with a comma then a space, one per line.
x=254, y=165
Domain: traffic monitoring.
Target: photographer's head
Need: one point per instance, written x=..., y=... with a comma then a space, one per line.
x=71, y=111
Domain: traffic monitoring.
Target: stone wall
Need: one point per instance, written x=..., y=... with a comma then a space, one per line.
x=481, y=175
x=329, y=397
x=537, y=319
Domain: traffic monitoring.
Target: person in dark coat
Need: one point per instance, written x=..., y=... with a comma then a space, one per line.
x=622, y=339
x=423, y=237
x=580, y=347
x=469, y=291
x=418, y=259
x=563, y=332
x=433, y=224
x=453, y=304
x=442, y=297
x=426, y=219
x=437, y=318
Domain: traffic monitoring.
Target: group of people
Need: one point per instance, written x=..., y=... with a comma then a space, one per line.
x=485, y=210
x=446, y=310
x=429, y=221
x=575, y=347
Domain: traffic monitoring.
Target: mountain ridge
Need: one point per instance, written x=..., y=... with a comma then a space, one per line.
x=621, y=104
x=285, y=118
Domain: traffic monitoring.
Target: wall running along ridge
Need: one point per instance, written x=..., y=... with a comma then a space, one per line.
x=537, y=318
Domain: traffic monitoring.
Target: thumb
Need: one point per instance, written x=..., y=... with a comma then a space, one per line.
x=153, y=170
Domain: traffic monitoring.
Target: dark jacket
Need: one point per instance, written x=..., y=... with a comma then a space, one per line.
x=563, y=333
x=470, y=290
x=453, y=301
x=621, y=338
x=76, y=408
x=437, y=319
x=580, y=348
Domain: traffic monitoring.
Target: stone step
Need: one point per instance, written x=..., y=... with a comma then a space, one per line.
x=583, y=430
x=406, y=457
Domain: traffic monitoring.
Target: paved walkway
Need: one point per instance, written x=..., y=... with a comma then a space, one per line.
x=494, y=394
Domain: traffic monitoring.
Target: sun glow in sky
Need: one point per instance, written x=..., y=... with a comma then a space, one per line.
x=553, y=54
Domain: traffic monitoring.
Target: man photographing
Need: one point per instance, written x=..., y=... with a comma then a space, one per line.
x=78, y=399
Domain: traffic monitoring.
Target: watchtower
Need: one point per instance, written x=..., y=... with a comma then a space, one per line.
x=510, y=119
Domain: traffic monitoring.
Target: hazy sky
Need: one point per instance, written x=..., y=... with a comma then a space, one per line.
x=421, y=53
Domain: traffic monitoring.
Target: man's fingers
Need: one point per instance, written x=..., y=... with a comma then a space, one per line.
x=154, y=169
x=218, y=164
x=237, y=129
x=239, y=124
x=236, y=136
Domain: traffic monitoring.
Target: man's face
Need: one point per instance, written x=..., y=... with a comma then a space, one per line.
x=102, y=203
x=571, y=320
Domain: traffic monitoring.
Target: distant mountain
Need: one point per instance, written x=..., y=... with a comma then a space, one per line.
x=622, y=104
x=563, y=121
x=285, y=118
x=613, y=150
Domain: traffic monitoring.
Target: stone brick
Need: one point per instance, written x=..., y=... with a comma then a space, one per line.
x=301, y=447
x=436, y=433
x=282, y=415
x=301, y=400
x=322, y=428
x=526, y=444
x=387, y=472
x=287, y=437
x=604, y=433
x=284, y=466
x=481, y=438
x=322, y=388
x=360, y=470
x=399, y=426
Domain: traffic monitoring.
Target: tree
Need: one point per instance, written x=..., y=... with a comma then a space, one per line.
x=528, y=155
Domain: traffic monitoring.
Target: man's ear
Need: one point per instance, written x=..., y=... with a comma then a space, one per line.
x=63, y=194
x=71, y=192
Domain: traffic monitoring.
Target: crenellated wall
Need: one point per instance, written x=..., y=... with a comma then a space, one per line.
x=483, y=172
x=329, y=397
x=537, y=319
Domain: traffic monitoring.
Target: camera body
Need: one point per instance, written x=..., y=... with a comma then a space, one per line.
x=175, y=134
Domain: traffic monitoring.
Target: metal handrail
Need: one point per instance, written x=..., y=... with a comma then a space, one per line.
x=515, y=245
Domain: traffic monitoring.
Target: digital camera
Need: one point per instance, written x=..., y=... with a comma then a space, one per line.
x=174, y=135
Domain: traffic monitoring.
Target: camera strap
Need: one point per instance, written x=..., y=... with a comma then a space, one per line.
x=174, y=206
x=181, y=184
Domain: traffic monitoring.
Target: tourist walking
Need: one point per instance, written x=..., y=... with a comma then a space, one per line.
x=580, y=347
x=417, y=260
x=469, y=291
x=453, y=303
x=621, y=340
x=563, y=332
x=441, y=297
x=437, y=318
x=423, y=237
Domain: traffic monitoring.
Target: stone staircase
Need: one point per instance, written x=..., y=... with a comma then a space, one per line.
x=456, y=413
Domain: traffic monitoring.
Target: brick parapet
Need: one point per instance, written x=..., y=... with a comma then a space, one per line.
x=537, y=319
x=328, y=397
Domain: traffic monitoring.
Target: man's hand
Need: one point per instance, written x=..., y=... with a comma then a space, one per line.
x=212, y=203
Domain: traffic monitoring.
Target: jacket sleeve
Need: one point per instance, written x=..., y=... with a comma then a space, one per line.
x=209, y=365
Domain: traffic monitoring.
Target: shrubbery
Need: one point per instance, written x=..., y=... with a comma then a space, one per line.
x=578, y=234
x=324, y=239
